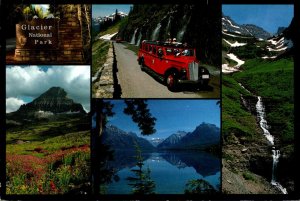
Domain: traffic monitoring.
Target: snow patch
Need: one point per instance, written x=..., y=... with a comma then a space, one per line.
x=108, y=36
x=235, y=58
x=235, y=44
x=232, y=24
x=272, y=41
x=279, y=46
x=235, y=35
x=266, y=57
x=228, y=69
x=238, y=32
x=276, y=50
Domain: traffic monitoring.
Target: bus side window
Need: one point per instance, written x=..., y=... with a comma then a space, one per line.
x=150, y=49
x=169, y=51
x=154, y=50
x=160, y=53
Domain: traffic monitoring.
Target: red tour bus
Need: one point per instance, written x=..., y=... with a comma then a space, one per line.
x=173, y=63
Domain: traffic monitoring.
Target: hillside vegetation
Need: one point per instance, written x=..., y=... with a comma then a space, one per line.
x=266, y=70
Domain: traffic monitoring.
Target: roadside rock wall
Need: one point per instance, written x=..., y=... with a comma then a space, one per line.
x=104, y=83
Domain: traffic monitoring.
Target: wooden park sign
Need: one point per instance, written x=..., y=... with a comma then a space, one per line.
x=37, y=40
x=37, y=34
x=51, y=40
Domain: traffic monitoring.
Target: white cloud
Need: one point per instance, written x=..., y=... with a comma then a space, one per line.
x=13, y=104
x=32, y=81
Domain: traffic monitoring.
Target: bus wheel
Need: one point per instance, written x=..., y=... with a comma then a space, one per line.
x=172, y=81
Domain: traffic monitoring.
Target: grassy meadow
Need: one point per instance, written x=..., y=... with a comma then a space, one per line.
x=48, y=158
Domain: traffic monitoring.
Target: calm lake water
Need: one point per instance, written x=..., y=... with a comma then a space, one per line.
x=170, y=170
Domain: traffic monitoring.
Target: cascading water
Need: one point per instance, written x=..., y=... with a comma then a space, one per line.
x=139, y=39
x=262, y=121
x=168, y=25
x=183, y=29
x=133, y=37
x=275, y=153
x=156, y=32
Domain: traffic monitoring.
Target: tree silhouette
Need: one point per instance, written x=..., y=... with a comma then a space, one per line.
x=141, y=115
x=101, y=154
x=199, y=186
x=141, y=183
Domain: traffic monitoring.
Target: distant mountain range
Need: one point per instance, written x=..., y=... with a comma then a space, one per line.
x=244, y=42
x=108, y=17
x=119, y=139
x=172, y=140
x=203, y=136
x=246, y=29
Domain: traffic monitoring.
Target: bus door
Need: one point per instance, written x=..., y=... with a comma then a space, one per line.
x=160, y=60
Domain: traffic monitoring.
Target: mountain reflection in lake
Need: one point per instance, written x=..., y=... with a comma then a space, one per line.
x=170, y=170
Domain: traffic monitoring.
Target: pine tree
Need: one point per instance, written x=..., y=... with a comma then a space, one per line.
x=141, y=183
x=199, y=186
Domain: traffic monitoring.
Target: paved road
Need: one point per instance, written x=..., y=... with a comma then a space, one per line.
x=138, y=84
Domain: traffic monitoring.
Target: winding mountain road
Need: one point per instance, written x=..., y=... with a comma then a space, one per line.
x=138, y=84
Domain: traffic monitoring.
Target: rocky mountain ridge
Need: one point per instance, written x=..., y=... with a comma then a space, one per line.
x=54, y=100
x=243, y=42
x=52, y=104
x=246, y=29
x=119, y=139
x=205, y=135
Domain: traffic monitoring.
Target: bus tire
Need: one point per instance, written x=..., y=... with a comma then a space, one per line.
x=172, y=81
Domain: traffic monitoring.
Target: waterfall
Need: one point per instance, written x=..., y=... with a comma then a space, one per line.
x=133, y=37
x=275, y=153
x=244, y=88
x=168, y=25
x=260, y=109
x=183, y=28
x=156, y=32
x=139, y=39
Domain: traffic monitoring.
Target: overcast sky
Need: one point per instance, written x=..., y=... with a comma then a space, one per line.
x=25, y=83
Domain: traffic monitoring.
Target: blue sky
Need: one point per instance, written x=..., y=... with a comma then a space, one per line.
x=171, y=115
x=107, y=9
x=269, y=17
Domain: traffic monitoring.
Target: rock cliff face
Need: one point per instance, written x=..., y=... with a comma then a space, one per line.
x=246, y=29
x=161, y=22
x=52, y=105
x=54, y=100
